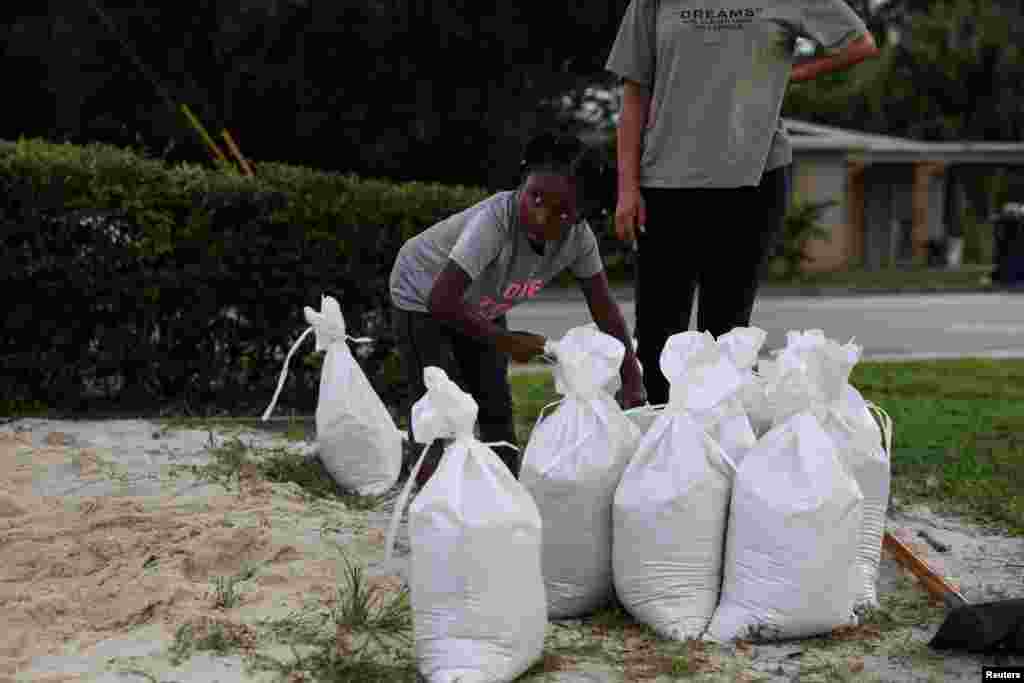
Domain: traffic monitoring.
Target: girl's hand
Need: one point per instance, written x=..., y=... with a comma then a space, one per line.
x=632, y=394
x=630, y=215
x=522, y=347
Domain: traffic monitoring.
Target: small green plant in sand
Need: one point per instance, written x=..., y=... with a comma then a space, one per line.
x=365, y=635
x=360, y=607
x=277, y=465
x=225, y=594
x=225, y=588
x=210, y=635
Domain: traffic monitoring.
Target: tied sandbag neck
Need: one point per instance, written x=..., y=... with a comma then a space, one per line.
x=700, y=372
x=464, y=440
x=885, y=425
x=550, y=356
x=326, y=335
x=862, y=438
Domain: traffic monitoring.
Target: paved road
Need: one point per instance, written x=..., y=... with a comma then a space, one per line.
x=887, y=326
x=891, y=326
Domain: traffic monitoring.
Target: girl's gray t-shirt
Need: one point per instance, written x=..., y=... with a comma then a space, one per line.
x=488, y=243
x=717, y=71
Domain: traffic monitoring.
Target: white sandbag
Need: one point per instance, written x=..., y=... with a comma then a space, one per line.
x=670, y=516
x=743, y=344
x=572, y=465
x=791, y=545
x=704, y=381
x=479, y=611
x=359, y=444
x=852, y=427
x=847, y=418
x=826, y=364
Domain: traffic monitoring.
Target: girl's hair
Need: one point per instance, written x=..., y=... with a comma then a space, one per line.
x=552, y=152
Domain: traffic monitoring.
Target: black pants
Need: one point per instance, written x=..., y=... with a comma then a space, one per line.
x=719, y=238
x=478, y=368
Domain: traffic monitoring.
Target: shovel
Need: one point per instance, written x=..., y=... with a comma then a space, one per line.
x=984, y=628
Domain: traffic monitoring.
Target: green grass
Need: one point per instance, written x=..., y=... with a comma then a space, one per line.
x=910, y=278
x=958, y=432
x=530, y=393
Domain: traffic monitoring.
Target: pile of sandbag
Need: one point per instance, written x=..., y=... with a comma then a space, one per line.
x=755, y=505
x=751, y=506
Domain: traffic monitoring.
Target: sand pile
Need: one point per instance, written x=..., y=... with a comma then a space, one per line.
x=79, y=570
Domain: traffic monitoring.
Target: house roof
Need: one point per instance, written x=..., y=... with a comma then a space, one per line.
x=810, y=137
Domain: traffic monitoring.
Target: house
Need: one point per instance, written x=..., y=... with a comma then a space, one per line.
x=895, y=196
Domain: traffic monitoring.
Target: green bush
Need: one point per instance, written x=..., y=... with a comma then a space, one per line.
x=979, y=241
x=200, y=241
x=801, y=224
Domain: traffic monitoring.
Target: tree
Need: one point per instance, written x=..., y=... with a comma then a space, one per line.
x=432, y=91
x=954, y=74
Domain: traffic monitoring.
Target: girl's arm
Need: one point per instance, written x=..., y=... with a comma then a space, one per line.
x=608, y=316
x=446, y=304
x=854, y=53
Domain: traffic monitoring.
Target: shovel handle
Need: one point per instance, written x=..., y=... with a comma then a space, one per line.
x=936, y=586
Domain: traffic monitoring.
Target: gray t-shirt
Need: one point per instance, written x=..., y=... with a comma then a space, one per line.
x=717, y=71
x=488, y=243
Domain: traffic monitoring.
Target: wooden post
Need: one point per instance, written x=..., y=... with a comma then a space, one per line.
x=233, y=148
x=201, y=131
x=855, y=208
x=919, y=228
x=923, y=171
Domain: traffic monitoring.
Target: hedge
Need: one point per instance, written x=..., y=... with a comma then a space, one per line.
x=195, y=243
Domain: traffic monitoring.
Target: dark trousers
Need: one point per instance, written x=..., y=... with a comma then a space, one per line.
x=478, y=368
x=718, y=238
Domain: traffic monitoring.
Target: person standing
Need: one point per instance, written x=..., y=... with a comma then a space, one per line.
x=703, y=158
